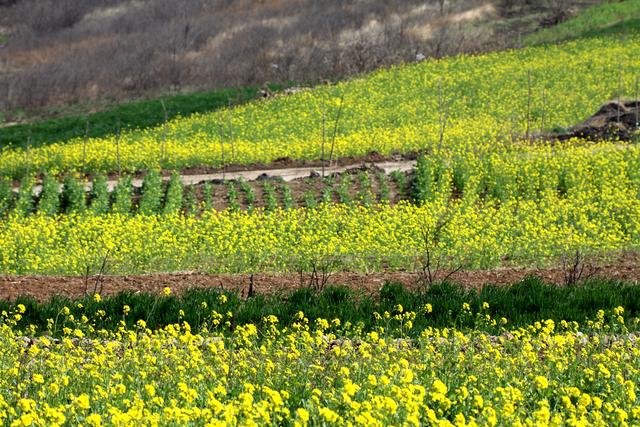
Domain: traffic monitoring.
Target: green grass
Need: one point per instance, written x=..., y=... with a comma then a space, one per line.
x=134, y=115
x=604, y=19
x=522, y=304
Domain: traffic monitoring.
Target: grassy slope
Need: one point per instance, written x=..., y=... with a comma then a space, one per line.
x=604, y=19
x=134, y=115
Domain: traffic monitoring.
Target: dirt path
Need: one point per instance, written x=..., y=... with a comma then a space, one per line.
x=286, y=174
x=45, y=287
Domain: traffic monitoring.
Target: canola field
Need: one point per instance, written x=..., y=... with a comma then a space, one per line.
x=335, y=237
x=504, y=200
x=322, y=372
x=495, y=198
x=485, y=99
x=485, y=193
x=522, y=208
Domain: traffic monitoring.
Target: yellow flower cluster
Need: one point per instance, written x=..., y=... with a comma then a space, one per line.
x=476, y=234
x=539, y=375
x=486, y=99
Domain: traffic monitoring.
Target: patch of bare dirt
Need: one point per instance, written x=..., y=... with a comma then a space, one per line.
x=626, y=268
x=284, y=163
x=615, y=120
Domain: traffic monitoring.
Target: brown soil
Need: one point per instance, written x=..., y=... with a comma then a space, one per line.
x=627, y=268
x=614, y=120
x=282, y=163
x=314, y=186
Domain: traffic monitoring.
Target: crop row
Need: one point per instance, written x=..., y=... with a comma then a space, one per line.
x=156, y=197
x=470, y=233
x=465, y=104
x=326, y=372
x=586, y=168
x=589, y=169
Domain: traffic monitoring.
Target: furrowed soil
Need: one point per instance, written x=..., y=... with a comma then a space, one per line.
x=625, y=268
x=282, y=163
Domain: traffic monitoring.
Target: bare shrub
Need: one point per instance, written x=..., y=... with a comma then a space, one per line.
x=430, y=258
x=577, y=268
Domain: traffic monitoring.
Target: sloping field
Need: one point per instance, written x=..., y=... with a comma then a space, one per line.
x=487, y=196
x=484, y=100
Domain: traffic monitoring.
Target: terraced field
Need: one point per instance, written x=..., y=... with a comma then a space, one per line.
x=497, y=194
x=494, y=196
x=488, y=101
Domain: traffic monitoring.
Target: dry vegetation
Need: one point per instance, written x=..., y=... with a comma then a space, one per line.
x=64, y=51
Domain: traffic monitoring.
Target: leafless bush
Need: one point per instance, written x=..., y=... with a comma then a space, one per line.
x=315, y=271
x=577, y=268
x=430, y=258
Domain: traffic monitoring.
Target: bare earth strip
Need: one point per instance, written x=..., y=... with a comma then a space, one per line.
x=287, y=174
x=44, y=287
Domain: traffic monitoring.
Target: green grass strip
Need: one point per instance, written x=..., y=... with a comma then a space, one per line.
x=603, y=19
x=521, y=304
x=133, y=115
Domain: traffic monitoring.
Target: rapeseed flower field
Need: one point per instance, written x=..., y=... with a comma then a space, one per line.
x=321, y=372
x=519, y=207
x=500, y=198
x=487, y=100
x=339, y=237
x=486, y=193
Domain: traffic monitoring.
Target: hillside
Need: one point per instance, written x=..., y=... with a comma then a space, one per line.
x=88, y=54
x=487, y=100
x=498, y=194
